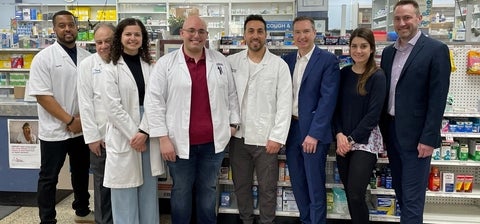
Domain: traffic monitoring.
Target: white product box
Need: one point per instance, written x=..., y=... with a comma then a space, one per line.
x=290, y=206
x=448, y=182
x=288, y=194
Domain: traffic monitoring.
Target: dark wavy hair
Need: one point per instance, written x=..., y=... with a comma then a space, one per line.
x=370, y=67
x=117, y=47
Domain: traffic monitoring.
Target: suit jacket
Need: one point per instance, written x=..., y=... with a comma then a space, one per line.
x=420, y=94
x=317, y=96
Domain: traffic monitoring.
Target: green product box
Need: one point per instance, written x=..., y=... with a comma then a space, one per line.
x=463, y=153
x=474, y=150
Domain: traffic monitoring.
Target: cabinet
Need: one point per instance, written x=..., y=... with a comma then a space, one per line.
x=36, y=19
x=214, y=12
x=153, y=15
x=14, y=68
x=278, y=10
x=364, y=16
x=381, y=15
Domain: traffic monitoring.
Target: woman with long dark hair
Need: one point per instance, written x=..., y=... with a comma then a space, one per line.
x=360, y=101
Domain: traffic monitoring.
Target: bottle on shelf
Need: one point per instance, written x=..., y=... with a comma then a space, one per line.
x=434, y=179
x=388, y=179
x=373, y=179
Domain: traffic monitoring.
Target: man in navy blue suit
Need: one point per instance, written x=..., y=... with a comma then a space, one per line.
x=418, y=75
x=315, y=78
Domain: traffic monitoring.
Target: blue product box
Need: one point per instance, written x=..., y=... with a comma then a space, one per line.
x=225, y=199
x=19, y=15
x=33, y=14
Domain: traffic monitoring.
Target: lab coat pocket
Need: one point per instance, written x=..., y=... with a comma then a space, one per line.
x=115, y=141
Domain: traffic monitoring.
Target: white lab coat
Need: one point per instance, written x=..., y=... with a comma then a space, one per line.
x=54, y=73
x=123, y=166
x=89, y=87
x=169, y=96
x=268, y=110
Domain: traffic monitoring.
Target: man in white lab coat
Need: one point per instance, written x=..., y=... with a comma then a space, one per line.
x=191, y=104
x=264, y=89
x=53, y=81
x=94, y=118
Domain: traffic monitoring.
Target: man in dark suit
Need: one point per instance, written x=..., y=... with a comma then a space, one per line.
x=418, y=74
x=315, y=78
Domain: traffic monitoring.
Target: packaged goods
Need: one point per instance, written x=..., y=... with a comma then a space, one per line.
x=459, y=183
x=468, y=183
x=225, y=200
x=434, y=180
x=448, y=182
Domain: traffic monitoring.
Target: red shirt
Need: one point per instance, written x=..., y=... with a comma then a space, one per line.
x=201, y=126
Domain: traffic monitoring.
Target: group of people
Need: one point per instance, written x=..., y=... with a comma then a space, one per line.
x=184, y=109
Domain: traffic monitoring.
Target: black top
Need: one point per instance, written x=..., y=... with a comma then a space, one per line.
x=72, y=52
x=357, y=115
x=135, y=67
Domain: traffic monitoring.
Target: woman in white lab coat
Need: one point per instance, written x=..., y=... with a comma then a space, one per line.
x=131, y=167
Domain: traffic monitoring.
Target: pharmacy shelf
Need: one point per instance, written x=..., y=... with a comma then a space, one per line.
x=279, y=183
x=19, y=50
x=461, y=134
x=474, y=194
x=448, y=213
x=434, y=213
x=14, y=70
x=461, y=163
x=461, y=114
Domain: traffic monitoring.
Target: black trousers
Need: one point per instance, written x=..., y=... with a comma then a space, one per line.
x=53, y=156
x=102, y=195
x=355, y=170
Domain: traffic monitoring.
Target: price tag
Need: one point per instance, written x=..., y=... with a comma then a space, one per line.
x=448, y=137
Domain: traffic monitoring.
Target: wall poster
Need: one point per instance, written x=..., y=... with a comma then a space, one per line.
x=24, y=145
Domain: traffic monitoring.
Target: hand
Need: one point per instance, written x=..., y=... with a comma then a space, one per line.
x=343, y=146
x=309, y=144
x=233, y=131
x=273, y=147
x=138, y=142
x=167, y=150
x=96, y=147
x=424, y=151
x=76, y=126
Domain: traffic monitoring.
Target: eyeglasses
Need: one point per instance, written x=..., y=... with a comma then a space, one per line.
x=192, y=31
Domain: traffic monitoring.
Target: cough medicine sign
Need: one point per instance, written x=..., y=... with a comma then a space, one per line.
x=279, y=25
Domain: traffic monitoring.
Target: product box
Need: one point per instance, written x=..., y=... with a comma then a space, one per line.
x=436, y=154
x=290, y=206
x=288, y=194
x=329, y=201
x=225, y=199
x=281, y=170
x=459, y=183
x=448, y=182
x=26, y=14
x=468, y=184
x=385, y=205
x=463, y=153
x=474, y=150
x=279, y=203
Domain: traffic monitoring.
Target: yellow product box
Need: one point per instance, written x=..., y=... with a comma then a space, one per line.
x=82, y=12
x=386, y=205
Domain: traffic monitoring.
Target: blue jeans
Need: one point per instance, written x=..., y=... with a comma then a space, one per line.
x=137, y=205
x=199, y=172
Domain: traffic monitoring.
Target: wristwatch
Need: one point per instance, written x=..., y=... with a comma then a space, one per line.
x=350, y=140
x=236, y=126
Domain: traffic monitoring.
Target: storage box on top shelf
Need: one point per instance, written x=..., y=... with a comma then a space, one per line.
x=380, y=35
